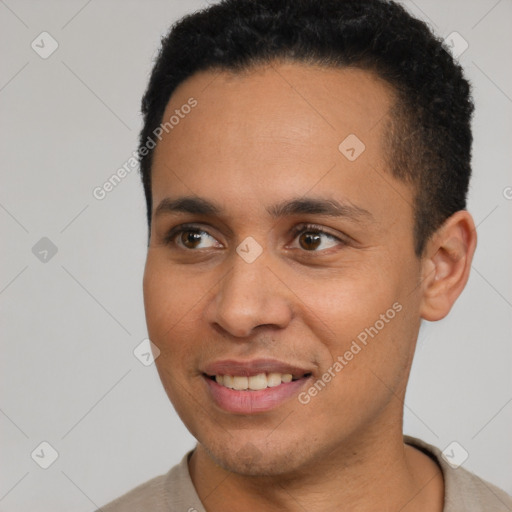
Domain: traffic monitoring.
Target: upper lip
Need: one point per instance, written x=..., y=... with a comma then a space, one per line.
x=253, y=367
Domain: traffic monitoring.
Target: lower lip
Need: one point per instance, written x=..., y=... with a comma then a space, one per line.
x=249, y=402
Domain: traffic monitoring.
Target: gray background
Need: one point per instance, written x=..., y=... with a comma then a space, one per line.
x=70, y=324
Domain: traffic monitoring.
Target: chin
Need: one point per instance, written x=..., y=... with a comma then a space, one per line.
x=256, y=459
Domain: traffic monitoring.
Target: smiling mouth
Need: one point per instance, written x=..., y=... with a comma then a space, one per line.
x=255, y=382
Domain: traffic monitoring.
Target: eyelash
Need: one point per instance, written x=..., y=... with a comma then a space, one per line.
x=295, y=232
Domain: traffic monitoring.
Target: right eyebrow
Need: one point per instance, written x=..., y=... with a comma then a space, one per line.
x=187, y=204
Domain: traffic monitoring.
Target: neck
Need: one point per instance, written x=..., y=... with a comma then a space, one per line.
x=374, y=472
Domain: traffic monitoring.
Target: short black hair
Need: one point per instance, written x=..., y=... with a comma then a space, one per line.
x=429, y=125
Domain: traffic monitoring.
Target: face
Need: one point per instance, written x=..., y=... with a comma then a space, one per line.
x=278, y=251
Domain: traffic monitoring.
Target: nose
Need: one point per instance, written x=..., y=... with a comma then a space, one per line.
x=249, y=296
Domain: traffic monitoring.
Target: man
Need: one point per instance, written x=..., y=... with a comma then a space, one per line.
x=305, y=164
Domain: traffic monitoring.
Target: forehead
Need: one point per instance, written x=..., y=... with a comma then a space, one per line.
x=255, y=135
x=282, y=102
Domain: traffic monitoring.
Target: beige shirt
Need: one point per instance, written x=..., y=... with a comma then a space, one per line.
x=175, y=492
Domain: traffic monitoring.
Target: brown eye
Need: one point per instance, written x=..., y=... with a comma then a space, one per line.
x=313, y=238
x=190, y=239
x=310, y=241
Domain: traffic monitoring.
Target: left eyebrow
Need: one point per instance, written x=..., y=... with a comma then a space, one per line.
x=300, y=206
x=314, y=206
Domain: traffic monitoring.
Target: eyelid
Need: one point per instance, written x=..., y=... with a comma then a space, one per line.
x=307, y=226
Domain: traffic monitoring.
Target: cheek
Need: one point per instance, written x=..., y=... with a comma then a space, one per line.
x=367, y=318
x=174, y=302
x=168, y=294
x=349, y=301
x=378, y=340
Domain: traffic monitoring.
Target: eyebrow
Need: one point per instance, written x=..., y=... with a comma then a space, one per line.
x=300, y=206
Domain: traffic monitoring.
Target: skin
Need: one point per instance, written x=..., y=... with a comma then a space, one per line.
x=253, y=140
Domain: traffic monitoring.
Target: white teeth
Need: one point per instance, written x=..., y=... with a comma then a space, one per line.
x=273, y=379
x=228, y=381
x=258, y=382
x=255, y=382
x=240, y=383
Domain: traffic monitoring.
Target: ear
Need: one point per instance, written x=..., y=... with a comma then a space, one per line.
x=446, y=264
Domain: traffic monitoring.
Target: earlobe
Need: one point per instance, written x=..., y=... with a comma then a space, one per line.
x=446, y=265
